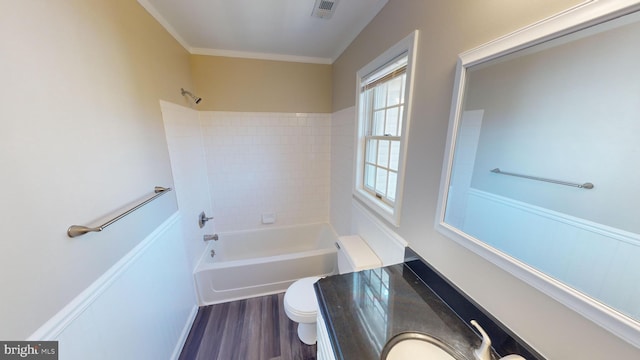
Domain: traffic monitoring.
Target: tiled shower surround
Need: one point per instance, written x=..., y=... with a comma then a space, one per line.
x=267, y=163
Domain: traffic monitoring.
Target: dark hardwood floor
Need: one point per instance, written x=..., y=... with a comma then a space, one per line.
x=252, y=329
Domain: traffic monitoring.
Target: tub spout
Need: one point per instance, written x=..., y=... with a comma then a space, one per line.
x=208, y=237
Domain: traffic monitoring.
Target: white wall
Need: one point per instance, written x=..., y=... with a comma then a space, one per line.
x=267, y=163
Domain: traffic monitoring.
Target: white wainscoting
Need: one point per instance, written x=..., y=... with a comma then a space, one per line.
x=593, y=258
x=385, y=242
x=141, y=308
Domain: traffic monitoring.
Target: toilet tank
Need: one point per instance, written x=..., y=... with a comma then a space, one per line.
x=354, y=255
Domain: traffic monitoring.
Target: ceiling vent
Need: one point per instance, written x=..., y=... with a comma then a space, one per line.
x=324, y=9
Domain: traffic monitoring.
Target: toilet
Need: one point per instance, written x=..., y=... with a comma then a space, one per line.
x=300, y=303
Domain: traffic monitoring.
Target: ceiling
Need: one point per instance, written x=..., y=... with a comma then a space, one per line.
x=265, y=29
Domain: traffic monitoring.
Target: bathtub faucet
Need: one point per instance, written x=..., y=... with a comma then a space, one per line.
x=213, y=237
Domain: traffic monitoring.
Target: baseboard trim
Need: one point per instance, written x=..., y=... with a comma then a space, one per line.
x=185, y=333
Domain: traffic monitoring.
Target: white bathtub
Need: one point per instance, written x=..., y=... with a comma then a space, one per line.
x=266, y=261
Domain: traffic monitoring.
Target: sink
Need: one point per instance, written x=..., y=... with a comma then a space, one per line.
x=418, y=346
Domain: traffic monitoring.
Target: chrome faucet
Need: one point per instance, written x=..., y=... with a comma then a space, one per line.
x=208, y=237
x=484, y=351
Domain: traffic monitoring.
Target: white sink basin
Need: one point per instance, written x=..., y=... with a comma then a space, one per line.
x=417, y=346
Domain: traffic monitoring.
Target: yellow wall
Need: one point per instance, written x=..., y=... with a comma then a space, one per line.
x=447, y=28
x=82, y=136
x=235, y=84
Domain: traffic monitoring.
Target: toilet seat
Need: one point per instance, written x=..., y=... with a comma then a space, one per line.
x=301, y=306
x=300, y=301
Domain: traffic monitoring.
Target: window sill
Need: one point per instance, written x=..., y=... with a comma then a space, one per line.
x=391, y=214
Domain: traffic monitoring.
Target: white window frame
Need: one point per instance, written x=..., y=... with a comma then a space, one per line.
x=390, y=212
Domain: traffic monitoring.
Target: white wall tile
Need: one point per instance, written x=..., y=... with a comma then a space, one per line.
x=341, y=160
x=267, y=162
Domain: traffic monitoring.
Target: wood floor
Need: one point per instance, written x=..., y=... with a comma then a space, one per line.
x=252, y=329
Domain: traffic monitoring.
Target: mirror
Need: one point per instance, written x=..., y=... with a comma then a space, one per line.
x=541, y=171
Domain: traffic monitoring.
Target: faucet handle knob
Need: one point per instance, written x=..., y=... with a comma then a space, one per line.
x=484, y=351
x=202, y=219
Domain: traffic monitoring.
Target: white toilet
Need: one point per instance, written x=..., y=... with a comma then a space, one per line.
x=300, y=302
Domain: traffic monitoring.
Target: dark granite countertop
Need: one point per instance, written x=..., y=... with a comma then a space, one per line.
x=363, y=310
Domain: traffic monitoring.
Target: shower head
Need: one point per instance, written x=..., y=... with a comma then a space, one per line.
x=195, y=98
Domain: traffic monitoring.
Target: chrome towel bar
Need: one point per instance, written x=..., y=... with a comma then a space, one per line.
x=586, y=185
x=78, y=230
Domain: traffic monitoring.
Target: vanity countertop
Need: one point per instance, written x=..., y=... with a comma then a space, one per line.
x=363, y=310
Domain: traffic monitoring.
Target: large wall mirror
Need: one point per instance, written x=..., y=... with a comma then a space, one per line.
x=542, y=171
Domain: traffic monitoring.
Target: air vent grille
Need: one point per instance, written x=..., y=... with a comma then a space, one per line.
x=324, y=9
x=326, y=5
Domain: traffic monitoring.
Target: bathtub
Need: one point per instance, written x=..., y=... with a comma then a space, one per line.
x=261, y=262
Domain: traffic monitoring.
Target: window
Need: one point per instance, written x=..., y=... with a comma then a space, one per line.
x=382, y=99
x=384, y=89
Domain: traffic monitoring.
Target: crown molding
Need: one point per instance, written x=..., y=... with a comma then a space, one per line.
x=227, y=53
x=261, y=56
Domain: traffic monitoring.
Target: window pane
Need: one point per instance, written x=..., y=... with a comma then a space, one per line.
x=383, y=153
x=393, y=180
x=378, y=123
x=369, y=176
x=400, y=113
x=381, y=181
x=394, y=91
x=391, y=126
x=371, y=151
x=394, y=158
x=380, y=95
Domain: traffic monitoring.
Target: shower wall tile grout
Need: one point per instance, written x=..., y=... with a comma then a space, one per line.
x=267, y=163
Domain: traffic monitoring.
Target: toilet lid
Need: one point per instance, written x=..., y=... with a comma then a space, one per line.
x=301, y=297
